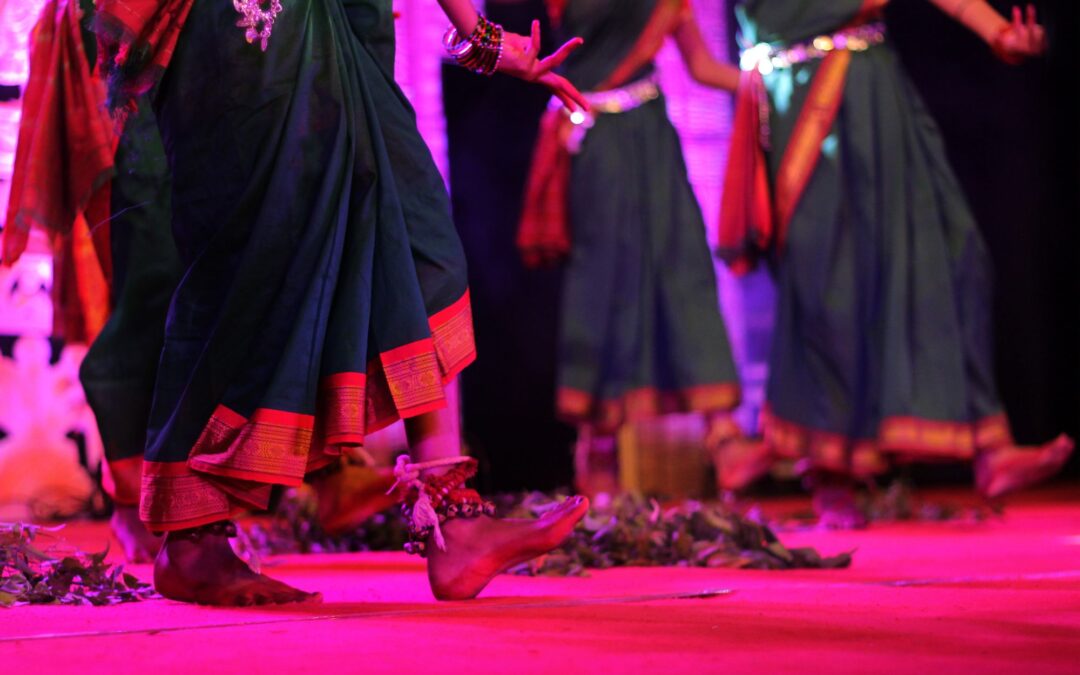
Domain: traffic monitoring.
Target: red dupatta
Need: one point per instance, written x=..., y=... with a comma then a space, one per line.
x=66, y=141
x=746, y=217
x=63, y=165
x=136, y=40
x=754, y=216
x=64, y=155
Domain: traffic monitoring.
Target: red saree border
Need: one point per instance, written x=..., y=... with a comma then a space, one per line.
x=176, y=498
x=236, y=458
x=341, y=408
x=411, y=380
x=122, y=479
x=922, y=437
x=822, y=449
x=910, y=437
x=413, y=377
x=454, y=337
x=269, y=447
x=577, y=406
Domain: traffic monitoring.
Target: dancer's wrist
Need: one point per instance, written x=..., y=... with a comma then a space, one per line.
x=479, y=50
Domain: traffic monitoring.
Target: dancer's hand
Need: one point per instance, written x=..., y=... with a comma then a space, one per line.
x=520, y=59
x=1023, y=38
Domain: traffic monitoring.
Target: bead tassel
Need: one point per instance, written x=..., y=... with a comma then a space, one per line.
x=433, y=500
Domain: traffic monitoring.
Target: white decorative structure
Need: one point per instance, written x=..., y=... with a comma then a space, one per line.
x=41, y=406
x=17, y=18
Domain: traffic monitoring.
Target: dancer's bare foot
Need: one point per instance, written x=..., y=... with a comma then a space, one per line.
x=739, y=462
x=479, y=548
x=202, y=568
x=138, y=544
x=1006, y=469
x=834, y=504
x=349, y=497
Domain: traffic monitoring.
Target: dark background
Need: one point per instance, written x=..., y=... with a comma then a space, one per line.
x=1011, y=134
x=508, y=394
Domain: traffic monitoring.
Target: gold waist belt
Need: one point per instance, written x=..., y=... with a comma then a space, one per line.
x=765, y=57
x=608, y=102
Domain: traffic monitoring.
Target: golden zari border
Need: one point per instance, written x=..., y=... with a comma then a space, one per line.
x=577, y=406
x=811, y=128
x=122, y=479
x=912, y=438
x=236, y=459
x=175, y=498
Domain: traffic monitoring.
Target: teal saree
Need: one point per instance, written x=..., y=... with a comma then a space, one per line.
x=323, y=292
x=641, y=332
x=883, y=337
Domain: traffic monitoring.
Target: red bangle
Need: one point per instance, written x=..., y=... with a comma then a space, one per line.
x=998, y=47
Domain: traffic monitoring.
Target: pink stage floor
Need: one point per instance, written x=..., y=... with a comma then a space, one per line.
x=997, y=596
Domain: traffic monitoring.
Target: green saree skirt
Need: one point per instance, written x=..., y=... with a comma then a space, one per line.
x=641, y=332
x=324, y=288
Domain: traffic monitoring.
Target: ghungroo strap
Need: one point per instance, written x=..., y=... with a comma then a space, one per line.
x=432, y=500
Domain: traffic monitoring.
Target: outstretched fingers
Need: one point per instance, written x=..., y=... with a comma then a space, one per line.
x=1025, y=36
x=555, y=59
x=1036, y=33
x=521, y=59
x=534, y=39
x=564, y=91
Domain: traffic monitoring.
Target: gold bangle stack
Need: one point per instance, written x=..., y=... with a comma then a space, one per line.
x=481, y=52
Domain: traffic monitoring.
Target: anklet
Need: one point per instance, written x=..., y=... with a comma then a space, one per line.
x=432, y=500
x=222, y=528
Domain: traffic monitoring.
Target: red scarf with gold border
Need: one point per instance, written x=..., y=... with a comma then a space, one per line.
x=754, y=217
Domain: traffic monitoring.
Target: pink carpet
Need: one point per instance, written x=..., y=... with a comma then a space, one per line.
x=997, y=596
